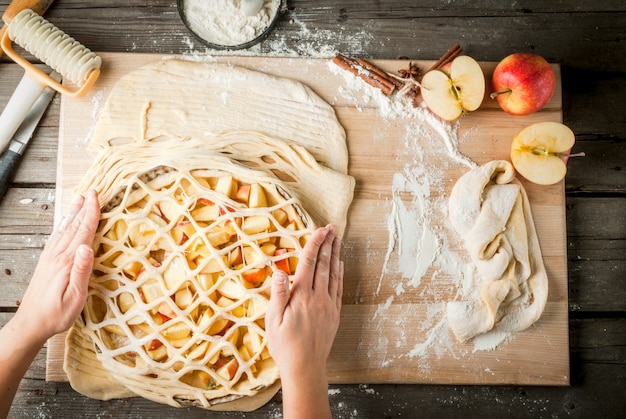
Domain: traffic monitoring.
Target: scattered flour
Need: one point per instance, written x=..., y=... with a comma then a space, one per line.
x=490, y=340
x=333, y=391
x=417, y=248
x=312, y=43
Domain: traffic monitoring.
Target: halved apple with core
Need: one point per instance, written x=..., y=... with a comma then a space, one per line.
x=538, y=152
x=453, y=91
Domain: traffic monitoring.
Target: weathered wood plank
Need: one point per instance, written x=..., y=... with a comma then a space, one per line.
x=39, y=163
x=21, y=264
x=27, y=211
x=601, y=170
x=597, y=348
x=398, y=8
x=26, y=217
x=307, y=28
x=593, y=103
x=597, y=219
x=596, y=253
x=596, y=276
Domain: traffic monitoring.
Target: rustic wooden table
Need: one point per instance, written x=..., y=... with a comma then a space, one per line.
x=587, y=40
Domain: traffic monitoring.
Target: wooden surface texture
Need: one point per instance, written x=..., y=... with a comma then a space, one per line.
x=586, y=40
x=381, y=327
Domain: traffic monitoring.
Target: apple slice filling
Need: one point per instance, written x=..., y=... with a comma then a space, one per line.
x=184, y=264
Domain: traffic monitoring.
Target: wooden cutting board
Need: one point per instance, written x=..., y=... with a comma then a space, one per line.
x=392, y=326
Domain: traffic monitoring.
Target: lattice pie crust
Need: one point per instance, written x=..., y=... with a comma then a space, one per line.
x=192, y=227
x=182, y=277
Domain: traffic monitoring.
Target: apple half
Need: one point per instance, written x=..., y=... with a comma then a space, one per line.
x=455, y=90
x=539, y=152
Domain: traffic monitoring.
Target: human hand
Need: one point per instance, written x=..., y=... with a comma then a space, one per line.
x=58, y=289
x=301, y=323
x=54, y=297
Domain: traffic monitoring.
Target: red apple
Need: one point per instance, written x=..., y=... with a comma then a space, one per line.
x=243, y=194
x=255, y=276
x=227, y=368
x=166, y=312
x=235, y=257
x=154, y=344
x=283, y=264
x=523, y=83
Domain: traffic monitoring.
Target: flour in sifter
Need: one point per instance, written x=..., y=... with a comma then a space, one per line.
x=222, y=22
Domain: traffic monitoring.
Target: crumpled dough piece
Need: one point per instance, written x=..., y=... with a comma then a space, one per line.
x=489, y=209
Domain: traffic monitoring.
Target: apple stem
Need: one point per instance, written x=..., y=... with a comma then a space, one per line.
x=581, y=154
x=495, y=94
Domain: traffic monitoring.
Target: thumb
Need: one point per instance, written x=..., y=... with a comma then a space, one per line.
x=279, y=296
x=81, y=270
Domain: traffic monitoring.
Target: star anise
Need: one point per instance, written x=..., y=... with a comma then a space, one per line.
x=412, y=72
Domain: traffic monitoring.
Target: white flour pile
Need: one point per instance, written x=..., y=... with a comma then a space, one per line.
x=312, y=43
x=222, y=22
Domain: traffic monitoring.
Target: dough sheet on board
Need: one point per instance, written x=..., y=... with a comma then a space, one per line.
x=222, y=120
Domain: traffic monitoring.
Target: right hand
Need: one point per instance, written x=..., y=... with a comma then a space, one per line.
x=301, y=323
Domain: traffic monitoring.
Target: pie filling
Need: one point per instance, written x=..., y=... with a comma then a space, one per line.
x=182, y=276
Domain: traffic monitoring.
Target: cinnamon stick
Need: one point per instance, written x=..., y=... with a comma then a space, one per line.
x=367, y=72
x=450, y=55
x=380, y=73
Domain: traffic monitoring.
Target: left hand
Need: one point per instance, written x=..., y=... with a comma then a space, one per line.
x=58, y=289
x=54, y=298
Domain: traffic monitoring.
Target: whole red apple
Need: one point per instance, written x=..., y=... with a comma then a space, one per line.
x=523, y=83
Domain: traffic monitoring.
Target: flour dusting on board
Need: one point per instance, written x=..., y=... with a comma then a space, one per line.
x=417, y=248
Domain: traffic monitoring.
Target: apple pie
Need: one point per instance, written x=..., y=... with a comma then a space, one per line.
x=199, y=207
x=181, y=282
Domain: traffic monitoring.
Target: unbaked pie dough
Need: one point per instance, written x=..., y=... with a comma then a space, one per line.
x=489, y=208
x=193, y=225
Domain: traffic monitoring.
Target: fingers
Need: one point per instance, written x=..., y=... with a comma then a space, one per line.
x=279, y=297
x=75, y=207
x=308, y=258
x=321, y=278
x=79, y=226
x=88, y=219
x=320, y=266
x=340, y=287
x=335, y=277
x=79, y=275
